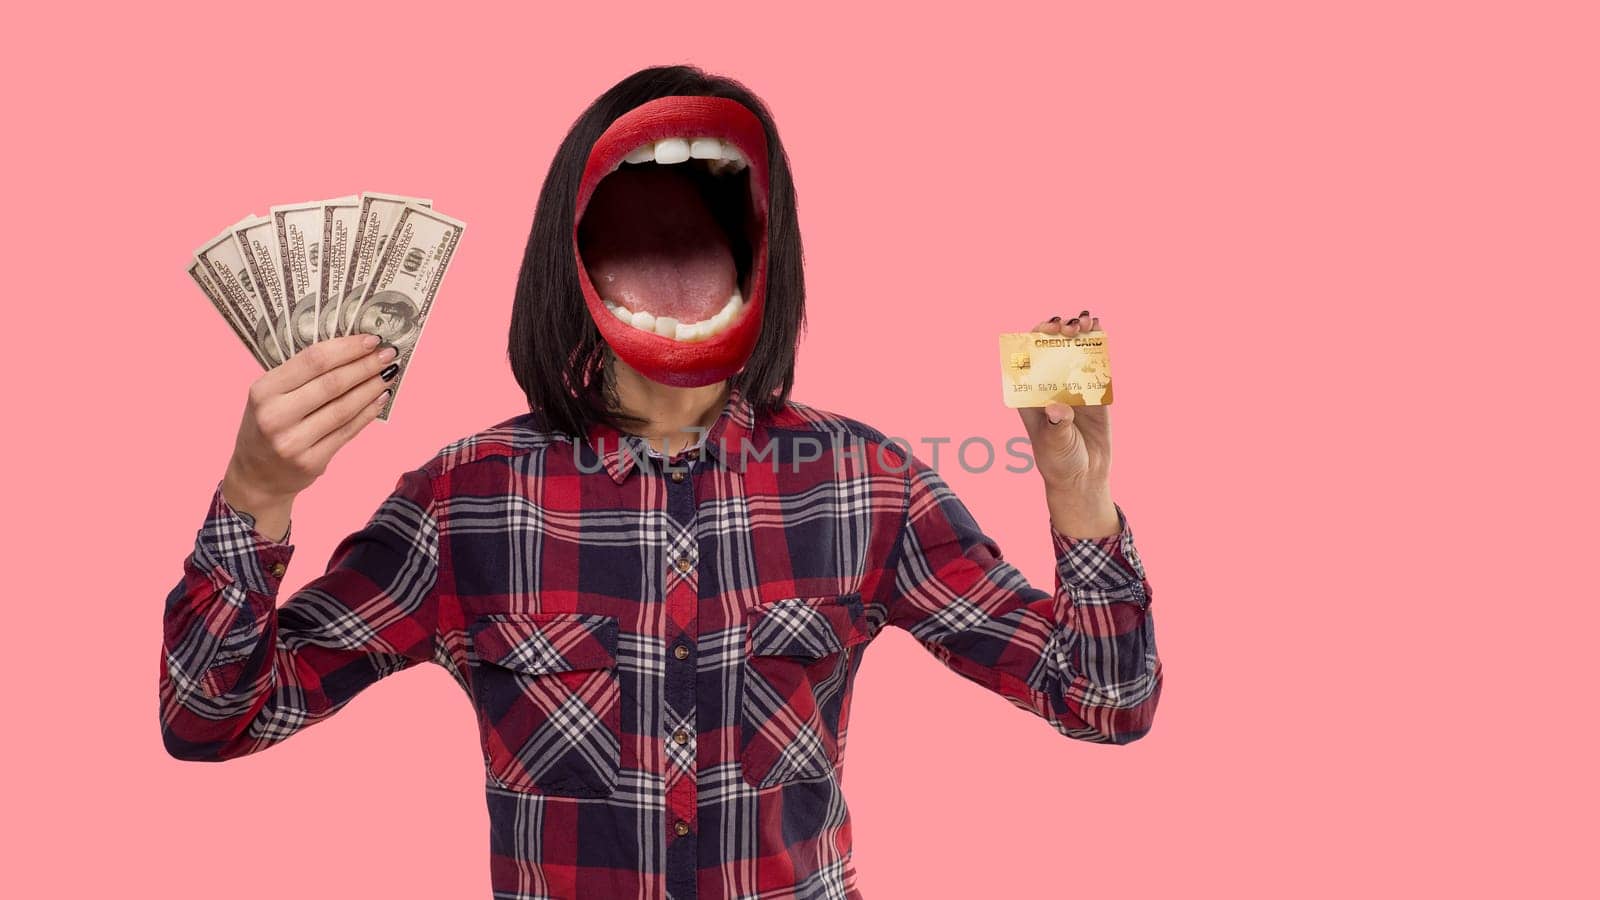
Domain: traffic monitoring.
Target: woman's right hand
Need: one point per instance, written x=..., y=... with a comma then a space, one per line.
x=296, y=417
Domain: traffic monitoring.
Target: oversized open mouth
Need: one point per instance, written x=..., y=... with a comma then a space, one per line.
x=670, y=233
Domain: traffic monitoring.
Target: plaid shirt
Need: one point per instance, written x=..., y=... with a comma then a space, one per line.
x=660, y=653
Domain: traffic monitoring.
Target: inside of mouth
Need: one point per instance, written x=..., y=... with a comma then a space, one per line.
x=670, y=241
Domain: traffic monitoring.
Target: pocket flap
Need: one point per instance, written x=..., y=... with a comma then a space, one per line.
x=807, y=627
x=537, y=643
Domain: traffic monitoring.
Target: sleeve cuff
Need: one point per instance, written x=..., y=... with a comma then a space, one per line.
x=1109, y=563
x=230, y=549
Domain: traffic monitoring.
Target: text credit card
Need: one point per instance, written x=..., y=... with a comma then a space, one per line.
x=1038, y=368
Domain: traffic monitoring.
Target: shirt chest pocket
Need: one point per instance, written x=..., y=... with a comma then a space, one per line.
x=548, y=701
x=796, y=686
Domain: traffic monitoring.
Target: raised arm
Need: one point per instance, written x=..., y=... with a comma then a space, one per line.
x=1082, y=657
x=239, y=673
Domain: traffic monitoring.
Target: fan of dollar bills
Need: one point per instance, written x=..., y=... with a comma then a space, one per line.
x=311, y=271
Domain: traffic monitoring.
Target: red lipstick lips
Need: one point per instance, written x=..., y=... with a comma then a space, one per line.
x=699, y=360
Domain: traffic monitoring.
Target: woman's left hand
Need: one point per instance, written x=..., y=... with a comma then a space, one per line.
x=1072, y=448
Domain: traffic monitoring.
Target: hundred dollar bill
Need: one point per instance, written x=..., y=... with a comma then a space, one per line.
x=298, y=229
x=339, y=220
x=1038, y=368
x=259, y=245
x=400, y=295
x=197, y=271
x=222, y=260
x=379, y=213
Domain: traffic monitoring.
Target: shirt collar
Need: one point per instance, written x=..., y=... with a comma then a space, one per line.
x=723, y=442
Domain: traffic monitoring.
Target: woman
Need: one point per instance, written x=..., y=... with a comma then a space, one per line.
x=656, y=586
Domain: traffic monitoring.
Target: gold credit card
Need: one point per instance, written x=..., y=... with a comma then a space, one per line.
x=1038, y=368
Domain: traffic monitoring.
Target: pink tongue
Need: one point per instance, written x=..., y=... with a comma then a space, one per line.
x=649, y=243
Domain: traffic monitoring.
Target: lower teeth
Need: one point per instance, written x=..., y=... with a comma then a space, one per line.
x=668, y=327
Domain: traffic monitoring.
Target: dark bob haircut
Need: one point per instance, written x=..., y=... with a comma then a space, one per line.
x=557, y=354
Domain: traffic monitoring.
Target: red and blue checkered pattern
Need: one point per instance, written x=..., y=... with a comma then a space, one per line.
x=660, y=652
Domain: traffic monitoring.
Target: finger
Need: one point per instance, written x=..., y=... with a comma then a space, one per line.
x=1094, y=324
x=336, y=412
x=1071, y=326
x=329, y=445
x=328, y=386
x=311, y=362
x=1051, y=325
x=1033, y=419
x=1043, y=418
x=1051, y=426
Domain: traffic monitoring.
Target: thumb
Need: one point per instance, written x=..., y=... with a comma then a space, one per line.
x=1032, y=417
x=1042, y=422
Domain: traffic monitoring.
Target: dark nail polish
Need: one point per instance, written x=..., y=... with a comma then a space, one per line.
x=389, y=372
x=383, y=345
x=1072, y=321
x=1055, y=318
x=1084, y=313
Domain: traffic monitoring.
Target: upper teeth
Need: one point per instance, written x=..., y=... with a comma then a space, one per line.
x=720, y=155
x=666, y=326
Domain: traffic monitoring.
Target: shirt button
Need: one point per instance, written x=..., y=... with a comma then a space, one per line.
x=278, y=569
x=683, y=564
x=680, y=736
x=680, y=651
x=677, y=477
x=682, y=828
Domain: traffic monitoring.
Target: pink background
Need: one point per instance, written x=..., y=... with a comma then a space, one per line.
x=1375, y=222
